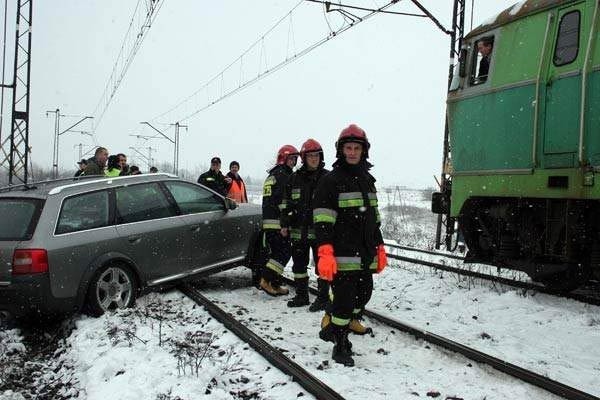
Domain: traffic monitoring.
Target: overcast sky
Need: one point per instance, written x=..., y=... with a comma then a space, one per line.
x=387, y=74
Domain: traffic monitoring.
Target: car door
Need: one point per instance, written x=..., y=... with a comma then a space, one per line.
x=213, y=233
x=152, y=234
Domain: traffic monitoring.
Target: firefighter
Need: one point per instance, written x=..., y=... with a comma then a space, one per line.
x=348, y=236
x=297, y=222
x=278, y=246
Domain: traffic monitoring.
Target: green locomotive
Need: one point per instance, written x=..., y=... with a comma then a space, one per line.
x=523, y=120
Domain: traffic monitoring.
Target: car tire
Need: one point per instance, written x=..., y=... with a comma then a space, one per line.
x=112, y=287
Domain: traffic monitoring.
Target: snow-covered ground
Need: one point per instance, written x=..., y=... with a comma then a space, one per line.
x=389, y=364
x=166, y=348
x=140, y=353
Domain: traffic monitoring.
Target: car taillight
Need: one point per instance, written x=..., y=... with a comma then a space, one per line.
x=31, y=261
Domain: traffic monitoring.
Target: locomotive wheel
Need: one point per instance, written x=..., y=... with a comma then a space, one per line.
x=568, y=280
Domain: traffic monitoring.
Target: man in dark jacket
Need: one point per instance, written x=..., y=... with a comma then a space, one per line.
x=297, y=222
x=82, y=164
x=350, y=245
x=96, y=164
x=214, y=179
x=278, y=245
x=485, y=47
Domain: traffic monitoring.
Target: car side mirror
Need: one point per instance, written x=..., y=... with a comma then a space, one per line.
x=462, y=63
x=230, y=204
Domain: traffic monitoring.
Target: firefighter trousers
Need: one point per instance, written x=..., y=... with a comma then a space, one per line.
x=278, y=250
x=351, y=292
x=301, y=257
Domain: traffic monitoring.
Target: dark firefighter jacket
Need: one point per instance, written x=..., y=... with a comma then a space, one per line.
x=297, y=203
x=273, y=189
x=215, y=181
x=346, y=216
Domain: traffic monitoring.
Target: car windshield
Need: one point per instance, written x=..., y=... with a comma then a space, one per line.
x=19, y=218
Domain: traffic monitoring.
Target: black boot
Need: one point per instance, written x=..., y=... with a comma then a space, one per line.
x=327, y=332
x=342, y=351
x=301, y=298
x=322, y=296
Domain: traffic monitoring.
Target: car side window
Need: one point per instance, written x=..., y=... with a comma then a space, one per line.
x=84, y=211
x=567, y=41
x=142, y=203
x=193, y=199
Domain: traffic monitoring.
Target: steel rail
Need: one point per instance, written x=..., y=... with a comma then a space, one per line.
x=525, y=375
x=300, y=375
x=435, y=253
x=505, y=281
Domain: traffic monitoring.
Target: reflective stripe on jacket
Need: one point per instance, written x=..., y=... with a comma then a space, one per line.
x=272, y=201
x=346, y=215
x=298, y=198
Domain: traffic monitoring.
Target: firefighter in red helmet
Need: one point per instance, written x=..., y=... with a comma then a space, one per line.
x=278, y=245
x=297, y=223
x=348, y=236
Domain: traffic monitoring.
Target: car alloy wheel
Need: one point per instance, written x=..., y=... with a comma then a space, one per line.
x=113, y=288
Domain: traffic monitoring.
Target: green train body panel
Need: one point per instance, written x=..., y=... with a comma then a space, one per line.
x=581, y=185
x=482, y=125
x=517, y=51
x=512, y=133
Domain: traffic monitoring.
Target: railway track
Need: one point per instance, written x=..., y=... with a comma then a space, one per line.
x=300, y=375
x=322, y=391
x=525, y=375
x=588, y=294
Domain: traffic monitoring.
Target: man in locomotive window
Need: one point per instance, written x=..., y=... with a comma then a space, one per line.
x=297, y=223
x=277, y=245
x=484, y=47
x=348, y=236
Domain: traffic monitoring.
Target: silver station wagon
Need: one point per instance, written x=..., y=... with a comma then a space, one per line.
x=96, y=242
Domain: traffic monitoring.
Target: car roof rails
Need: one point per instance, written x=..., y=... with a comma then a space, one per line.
x=109, y=179
x=34, y=185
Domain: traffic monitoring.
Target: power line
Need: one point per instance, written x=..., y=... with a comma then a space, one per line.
x=349, y=21
x=140, y=24
x=234, y=62
x=328, y=4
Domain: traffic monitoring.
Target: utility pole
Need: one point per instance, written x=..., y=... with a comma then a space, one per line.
x=175, y=142
x=146, y=158
x=58, y=133
x=176, y=155
x=80, y=145
x=456, y=38
x=55, y=143
x=14, y=148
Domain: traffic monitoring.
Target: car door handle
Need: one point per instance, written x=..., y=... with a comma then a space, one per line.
x=195, y=228
x=134, y=239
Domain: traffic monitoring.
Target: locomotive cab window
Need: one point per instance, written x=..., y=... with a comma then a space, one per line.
x=567, y=40
x=481, y=60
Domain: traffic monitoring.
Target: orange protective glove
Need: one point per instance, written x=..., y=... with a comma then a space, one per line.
x=381, y=258
x=327, y=265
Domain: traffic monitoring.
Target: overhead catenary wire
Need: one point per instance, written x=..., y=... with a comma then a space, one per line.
x=267, y=71
x=238, y=59
x=328, y=4
x=139, y=25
